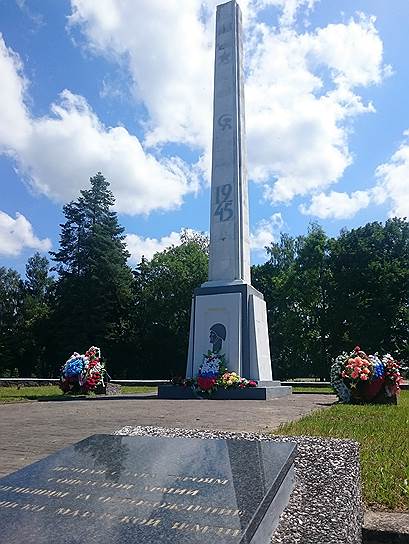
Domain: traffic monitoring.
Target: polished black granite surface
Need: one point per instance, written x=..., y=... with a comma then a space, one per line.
x=120, y=489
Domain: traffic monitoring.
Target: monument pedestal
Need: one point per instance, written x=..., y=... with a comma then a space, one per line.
x=262, y=392
x=232, y=320
x=236, y=314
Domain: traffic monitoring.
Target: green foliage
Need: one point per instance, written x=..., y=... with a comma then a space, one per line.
x=325, y=296
x=162, y=302
x=93, y=294
x=11, y=300
x=294, y=283
x=369, y=268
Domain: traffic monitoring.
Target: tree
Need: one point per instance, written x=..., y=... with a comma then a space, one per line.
x=35, y=318
x=93, y=294
x=370, y=287
x=294, y=283
x=11, y=297
x=162, y=303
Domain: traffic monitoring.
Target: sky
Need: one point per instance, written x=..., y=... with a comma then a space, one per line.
x=125, y=87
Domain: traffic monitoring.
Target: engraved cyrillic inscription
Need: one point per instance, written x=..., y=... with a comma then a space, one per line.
x=140, y=475
x=35, y=491
x=125, y=487
x=196, y=528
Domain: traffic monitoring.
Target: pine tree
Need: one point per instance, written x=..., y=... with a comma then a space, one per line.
x=95, y=282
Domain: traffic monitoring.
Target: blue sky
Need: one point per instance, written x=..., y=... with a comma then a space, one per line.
x=125, y=87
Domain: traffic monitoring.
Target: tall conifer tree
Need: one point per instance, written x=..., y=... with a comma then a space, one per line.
x=95, y=285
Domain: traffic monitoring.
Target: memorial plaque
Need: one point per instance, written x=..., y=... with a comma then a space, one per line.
x=120, y=489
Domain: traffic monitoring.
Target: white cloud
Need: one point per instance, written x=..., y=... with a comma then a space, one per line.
x=59, y=152
x=391, y=189
x=337, y=205
x=139, y=247
x=17, y=234
x=14, y=122
x=168, y=50
x=289, y=8
x=301, y=100
x=266, y=231
x=301, y=95
x=393, y=181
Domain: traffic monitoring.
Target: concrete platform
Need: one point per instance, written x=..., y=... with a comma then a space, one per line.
x=29, y=431
x=264, y=391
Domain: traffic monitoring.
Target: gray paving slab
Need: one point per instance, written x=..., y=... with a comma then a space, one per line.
x=31, y=431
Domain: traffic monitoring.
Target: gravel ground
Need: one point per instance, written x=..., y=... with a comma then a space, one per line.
x=325, y=506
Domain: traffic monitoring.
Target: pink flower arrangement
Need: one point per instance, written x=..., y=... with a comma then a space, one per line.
x=358, y=368
x=358, y=377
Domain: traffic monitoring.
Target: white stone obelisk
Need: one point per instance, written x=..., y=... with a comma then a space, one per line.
x=228, y=315
x=229, y=216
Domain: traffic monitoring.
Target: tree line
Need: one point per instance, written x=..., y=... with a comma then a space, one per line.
x=324, y=295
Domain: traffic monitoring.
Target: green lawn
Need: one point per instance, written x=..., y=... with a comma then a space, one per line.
x=138, y=389
x=321, y=390
x=52, y=392
x=383, y=432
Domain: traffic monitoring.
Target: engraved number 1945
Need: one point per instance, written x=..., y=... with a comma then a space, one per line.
x=224, y=205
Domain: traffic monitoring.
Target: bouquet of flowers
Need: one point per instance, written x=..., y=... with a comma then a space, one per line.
x=358, y=377
x=209, y=371
x=83, y=373
x=231, y=379
x=212, y=374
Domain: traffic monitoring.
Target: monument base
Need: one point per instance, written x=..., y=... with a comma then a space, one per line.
x=271, y=390
x=237, y=313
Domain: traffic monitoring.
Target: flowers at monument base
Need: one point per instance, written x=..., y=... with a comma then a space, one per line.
x=357, y=377
x=83, y=373
x=232, y=379
x=210, y=370
x=212, y=374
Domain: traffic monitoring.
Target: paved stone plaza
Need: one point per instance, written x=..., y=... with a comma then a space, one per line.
x=30, y=431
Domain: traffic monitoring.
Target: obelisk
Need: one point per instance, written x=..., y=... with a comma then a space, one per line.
x=229, y=217
x=228, y=315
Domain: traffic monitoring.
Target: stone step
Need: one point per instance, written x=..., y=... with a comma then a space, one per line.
x=247, y=393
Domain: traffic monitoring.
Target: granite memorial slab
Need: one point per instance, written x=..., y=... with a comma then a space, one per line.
x=121, y=489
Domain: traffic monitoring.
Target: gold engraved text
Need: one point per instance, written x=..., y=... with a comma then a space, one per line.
x=35, y=491
x=145, y=475
x=196, y=528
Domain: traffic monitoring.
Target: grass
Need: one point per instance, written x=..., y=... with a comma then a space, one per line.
x=52, y=392
x=321, y=390
x=383, y=433
x=138, y=389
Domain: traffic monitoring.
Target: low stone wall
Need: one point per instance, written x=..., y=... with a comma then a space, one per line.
x=28, y=382
x=36, y=382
